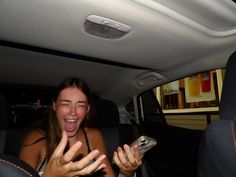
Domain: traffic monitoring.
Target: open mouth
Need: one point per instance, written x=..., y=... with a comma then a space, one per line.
x=70, y=125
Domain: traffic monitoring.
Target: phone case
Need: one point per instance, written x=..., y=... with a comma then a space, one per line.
x=145, y=143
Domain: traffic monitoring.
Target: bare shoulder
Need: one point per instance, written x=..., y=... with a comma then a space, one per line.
x=33, y=149
x=34, y=136
x=94, y=132
x=95, y=137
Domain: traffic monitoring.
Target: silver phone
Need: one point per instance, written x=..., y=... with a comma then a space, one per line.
x=145, y=143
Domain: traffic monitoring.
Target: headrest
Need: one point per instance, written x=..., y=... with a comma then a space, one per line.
x=228, y=97
x=4, y=113
x=105, y=113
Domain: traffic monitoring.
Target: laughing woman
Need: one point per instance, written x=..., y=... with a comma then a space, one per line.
x=69, y=149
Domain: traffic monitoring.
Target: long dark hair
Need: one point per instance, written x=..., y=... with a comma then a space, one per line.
x=54, y=131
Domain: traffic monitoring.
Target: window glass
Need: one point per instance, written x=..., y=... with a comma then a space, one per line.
x=130, y=108
x=150, y=107
x=196, y=91
x=191, y=102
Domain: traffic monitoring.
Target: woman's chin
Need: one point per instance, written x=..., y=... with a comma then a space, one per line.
x=71, y=134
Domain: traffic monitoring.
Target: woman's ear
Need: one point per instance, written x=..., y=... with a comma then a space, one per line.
x=88, y=108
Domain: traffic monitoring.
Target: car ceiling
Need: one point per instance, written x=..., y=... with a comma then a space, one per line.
x=45, y=41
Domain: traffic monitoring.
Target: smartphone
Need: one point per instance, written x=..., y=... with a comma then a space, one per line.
x=145, y=143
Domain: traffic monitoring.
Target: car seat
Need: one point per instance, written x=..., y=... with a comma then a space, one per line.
x=4, y=119
x=11, y=137
x=217, y=151
x=105, y=116
x=10, y=144
x=12, y=166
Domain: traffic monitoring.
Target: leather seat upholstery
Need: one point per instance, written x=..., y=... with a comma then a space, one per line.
x=217, y=151
x=11, y=166
x=106, y=118
x=4, y=122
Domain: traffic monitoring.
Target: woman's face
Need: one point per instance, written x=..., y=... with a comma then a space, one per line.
x=71, y=108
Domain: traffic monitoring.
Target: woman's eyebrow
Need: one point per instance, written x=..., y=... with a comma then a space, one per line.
x=81, y=101
x=64, y=100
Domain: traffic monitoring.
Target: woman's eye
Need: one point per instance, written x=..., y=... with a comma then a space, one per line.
x=65, y=104
x=82, y=105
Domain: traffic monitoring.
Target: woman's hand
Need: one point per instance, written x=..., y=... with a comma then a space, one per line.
x=62, y=165
x=128, y=159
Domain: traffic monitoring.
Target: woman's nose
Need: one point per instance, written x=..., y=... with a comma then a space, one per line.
x=73, y=110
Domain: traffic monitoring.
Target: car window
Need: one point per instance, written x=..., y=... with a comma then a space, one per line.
x=196, y=102
x=148, y=108
x=196, y=91
x=191, y=102
x=151, y=108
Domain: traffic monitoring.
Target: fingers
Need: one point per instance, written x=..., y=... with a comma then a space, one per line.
x=130, y=155
x=64, y=165
x=61, y=146
x=87, y=165
x=137, y=155
x=128, y=159
x=87, y=160
x=71, y=153
x=119, y=158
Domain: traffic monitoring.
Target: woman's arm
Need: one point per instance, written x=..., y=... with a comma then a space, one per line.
x=33, y=149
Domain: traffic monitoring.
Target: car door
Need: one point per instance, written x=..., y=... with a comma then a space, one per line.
x=176, y=151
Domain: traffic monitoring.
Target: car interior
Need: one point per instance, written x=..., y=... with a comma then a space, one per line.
x=218, y=142
x=126, y=50
x=13, y=166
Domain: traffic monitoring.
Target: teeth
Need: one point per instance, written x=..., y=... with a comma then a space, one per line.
x=71, y=121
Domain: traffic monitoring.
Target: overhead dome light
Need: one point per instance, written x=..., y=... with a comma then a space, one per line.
x=105, y=28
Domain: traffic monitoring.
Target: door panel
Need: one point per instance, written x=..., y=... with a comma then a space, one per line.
x=176, y=152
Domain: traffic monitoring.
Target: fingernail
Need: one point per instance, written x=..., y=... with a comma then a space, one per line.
x=126, y=147
x=78, y=143
x=103, y=156
x=95, y=151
